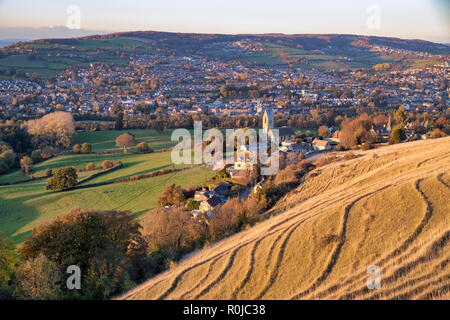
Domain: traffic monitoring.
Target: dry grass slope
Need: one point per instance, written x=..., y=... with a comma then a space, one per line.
x=390, y=208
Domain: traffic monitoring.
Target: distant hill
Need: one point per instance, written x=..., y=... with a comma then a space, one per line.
x=49, y=57
x=388, y=208
x=7, y=42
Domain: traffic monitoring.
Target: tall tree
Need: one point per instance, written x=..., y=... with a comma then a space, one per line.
x=119, y=121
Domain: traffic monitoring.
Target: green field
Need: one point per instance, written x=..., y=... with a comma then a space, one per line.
x=25, y=205
x=104, y=141
x=51, y=60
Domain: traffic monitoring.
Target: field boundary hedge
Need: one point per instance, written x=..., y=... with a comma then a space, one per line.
x=129, y=179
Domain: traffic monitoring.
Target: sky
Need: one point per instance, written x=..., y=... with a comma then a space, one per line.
x=411, y=19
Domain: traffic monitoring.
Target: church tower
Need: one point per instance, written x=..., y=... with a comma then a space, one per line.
x=268, y=120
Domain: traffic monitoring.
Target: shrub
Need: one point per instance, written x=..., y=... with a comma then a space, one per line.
x=366, y=146
x=86, y=148
x=63, y=179
x=192, y=205
x=436, y=133
x=118, y=163
x=350, y=156
x=106, y=164
x=397, y=135
x=36, y=156
x=48, y=152
x=26, y=165
x=232, y=216
x=76, y=148
x=326, y=159
x=90, y=166
x=143, y=147
x=340, y=147
x=48, y=172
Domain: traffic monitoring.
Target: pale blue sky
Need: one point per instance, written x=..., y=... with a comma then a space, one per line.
x=424, y=19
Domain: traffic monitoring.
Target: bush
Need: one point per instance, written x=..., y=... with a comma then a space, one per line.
x=107, y=164
x=192, y=205
x=436, y=133
x=118, y=163
x=340, y=147
x=397, y=135
x=234, y=215
x=350, y=156
x=36, y=156
x=63, y=179
x=90, y=166
x=143, y=147
x=366, y=146
x=86, y=148
x=48, y=152
x=76, y=148
x=48, y=172
x=326, y=159
x=26, y=165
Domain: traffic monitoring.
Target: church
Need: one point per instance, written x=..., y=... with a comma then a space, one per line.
x=285, y=133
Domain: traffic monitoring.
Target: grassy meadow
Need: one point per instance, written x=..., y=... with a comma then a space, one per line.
x=104, y=141
x=25, y=205
x=389, y=208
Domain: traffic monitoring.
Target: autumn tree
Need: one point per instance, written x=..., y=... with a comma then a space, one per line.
x=357, y=131
x=98, y=242
x=172, y=231
x=26, y=165
x=54, y=129
x=172, y=195
x=125, y=140
x=63, y=179
x=324, y=132
x=39, y=279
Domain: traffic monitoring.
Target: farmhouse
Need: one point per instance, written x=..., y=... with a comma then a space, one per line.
x=320, y=145
x=209, y=205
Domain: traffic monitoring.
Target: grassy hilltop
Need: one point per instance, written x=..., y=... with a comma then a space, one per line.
x=388, y=208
